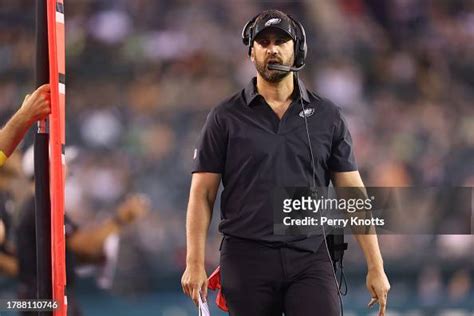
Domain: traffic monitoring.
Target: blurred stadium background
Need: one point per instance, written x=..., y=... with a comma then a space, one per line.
x=143, y=74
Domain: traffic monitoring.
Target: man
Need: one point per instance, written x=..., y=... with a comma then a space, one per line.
x=256, y=141
x=35, y=107
x=83, y=244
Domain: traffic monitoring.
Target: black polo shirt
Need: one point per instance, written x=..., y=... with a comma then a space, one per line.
x=255, y=151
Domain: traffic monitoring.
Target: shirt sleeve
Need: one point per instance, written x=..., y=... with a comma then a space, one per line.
x=209, y=154
x=342, y=157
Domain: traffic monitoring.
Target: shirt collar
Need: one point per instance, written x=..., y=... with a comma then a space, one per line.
x=251, y=91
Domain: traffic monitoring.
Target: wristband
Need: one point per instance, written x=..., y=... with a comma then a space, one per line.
x=3, y=158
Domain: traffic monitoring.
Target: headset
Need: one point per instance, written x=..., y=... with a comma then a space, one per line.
x=301, y=49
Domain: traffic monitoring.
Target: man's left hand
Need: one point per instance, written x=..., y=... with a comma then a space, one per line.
x=378, y=285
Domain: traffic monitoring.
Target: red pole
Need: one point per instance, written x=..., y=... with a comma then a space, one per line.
x=56, y=47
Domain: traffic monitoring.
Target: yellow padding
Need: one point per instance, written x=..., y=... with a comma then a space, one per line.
x=3, y=158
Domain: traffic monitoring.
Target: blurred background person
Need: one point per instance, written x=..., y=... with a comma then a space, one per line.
x=85, y=244
x=11, y=178
x=8, y=262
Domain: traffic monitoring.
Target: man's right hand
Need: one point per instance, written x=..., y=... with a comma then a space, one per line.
x=193, y=281
x=36, y=106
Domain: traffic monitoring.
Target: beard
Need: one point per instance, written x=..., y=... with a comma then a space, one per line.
x=272, y=76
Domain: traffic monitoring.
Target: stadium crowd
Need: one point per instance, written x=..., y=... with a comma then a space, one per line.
x=142, y=76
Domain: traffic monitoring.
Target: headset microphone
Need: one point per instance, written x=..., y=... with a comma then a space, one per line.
x=284, y=68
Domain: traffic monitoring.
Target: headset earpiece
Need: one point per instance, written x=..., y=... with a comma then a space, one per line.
x=245, y=36
x=247, y=33
x=301, y=48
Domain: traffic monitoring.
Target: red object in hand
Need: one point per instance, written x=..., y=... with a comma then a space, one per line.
x=215, y=284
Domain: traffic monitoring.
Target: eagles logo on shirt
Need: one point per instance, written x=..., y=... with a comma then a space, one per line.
x=306, y=113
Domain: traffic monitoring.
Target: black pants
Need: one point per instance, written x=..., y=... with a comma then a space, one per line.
x=258, y=280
